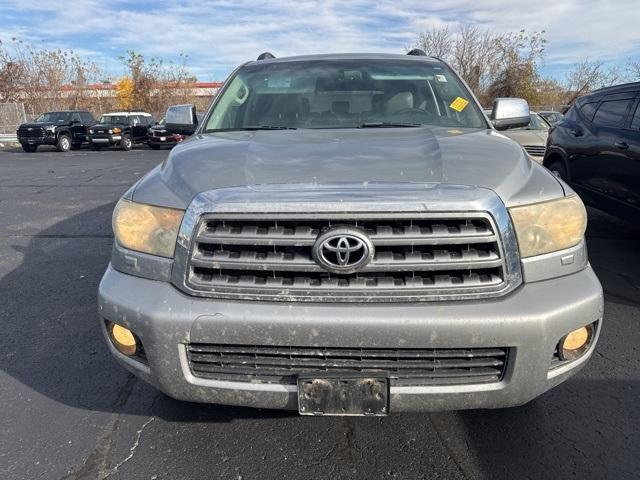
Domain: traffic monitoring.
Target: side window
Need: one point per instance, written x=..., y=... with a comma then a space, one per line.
x=76, y=117
x=86, y=118
x=635, y=122
x=611, y=113
x=588, y=109
x=134, y=120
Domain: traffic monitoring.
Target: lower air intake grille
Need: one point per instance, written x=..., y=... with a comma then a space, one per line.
x=535, y=150
x=403, y=366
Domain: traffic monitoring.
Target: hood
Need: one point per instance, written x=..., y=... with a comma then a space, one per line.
x=159, y=129
x=40, y=124
x=106, y=126
x=469, y=157
x=527, y=137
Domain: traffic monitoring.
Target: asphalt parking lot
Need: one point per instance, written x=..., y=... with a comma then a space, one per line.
x=69, y=412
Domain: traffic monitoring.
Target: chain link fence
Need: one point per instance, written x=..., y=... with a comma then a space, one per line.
x=11, y=115
x=549, y=108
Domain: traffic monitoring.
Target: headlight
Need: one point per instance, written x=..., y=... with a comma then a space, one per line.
x=91, y=131
x=146, y=228
x=50, y=128
x=116, y=130
x=110, y=131
x=549, y=226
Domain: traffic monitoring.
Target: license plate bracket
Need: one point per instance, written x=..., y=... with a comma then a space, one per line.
x=343, y=396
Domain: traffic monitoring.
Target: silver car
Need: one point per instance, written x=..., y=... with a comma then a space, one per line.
x=349, y=235
x=532, y=137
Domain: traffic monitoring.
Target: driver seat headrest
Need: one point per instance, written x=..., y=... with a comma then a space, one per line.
x=398, y=102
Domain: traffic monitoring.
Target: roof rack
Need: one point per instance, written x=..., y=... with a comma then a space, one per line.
x=417, y=52
x=266, y=56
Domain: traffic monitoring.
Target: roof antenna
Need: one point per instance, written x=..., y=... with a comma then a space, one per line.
x=266, y=56
x=417, y=52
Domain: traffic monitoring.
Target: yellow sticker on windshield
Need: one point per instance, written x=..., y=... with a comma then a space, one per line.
x=459, y=104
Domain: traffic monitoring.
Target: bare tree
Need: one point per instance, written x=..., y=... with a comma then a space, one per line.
x=44, y=79
x=633, y=71
x=158, y=84
x=437, y=42
x=491, y=63
x=586, y=76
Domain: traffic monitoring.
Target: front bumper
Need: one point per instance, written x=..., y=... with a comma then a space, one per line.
x=168, y=140
x=49, y=139
x=105, y=140
x=530, y=321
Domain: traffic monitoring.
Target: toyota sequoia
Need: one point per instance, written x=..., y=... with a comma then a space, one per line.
x=350, y=235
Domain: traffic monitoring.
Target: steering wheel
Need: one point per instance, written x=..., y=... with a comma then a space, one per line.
x=413, y=112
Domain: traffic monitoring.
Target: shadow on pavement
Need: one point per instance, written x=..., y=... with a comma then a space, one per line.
x=52, y=344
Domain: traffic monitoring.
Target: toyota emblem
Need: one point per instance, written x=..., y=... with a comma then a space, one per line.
x=343, y=250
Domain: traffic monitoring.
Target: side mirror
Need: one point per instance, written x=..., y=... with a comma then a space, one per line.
x=510, y=113
x=181, y=119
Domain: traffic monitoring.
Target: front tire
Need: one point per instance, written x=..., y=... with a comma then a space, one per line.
x=126, y=143
x=29, y=148
x=64, y=143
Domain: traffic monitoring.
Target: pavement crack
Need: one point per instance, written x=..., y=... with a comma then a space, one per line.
x=96, y=463
x=448, y=447
x=132, y=450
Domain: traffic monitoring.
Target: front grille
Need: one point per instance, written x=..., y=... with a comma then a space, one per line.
x=31, y=132
x=535, y=150
x=403, y=366
x=417, y=257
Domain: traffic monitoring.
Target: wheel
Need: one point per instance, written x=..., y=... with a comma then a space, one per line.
x=76, y=145
x=64, y=143
x=154, y=147
x=558, y=169
x=126, y=144
x=29, y=148
x=95, y=148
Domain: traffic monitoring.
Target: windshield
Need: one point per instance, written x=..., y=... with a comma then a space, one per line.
x=114, y=119
x=536, y=123
x=54, y=117
x=344, y=94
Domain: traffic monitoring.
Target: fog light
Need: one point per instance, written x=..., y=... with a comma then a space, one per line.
x=575, y=343
x=123, y=339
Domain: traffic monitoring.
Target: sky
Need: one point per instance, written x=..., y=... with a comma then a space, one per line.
x=217, y=35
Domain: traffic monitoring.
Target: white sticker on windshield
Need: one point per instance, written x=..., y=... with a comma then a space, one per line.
x=441, y=78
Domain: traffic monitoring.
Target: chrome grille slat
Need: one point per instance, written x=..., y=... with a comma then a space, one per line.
x=404, y=366
x=535, y=150
x=419, y=256
x=381, y=235
x=426, y=283
x=383, y=262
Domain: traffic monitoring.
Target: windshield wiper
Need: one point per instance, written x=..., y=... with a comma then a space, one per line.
x=260, y=127
x=388, y=124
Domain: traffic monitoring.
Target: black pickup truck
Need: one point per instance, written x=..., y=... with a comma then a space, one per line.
x=66, y=130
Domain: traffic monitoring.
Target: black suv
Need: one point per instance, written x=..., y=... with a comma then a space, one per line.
x=122, y=129
x=65, y=130
x=596, y=148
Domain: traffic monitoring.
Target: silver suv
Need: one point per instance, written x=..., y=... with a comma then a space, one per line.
x=349, y=235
